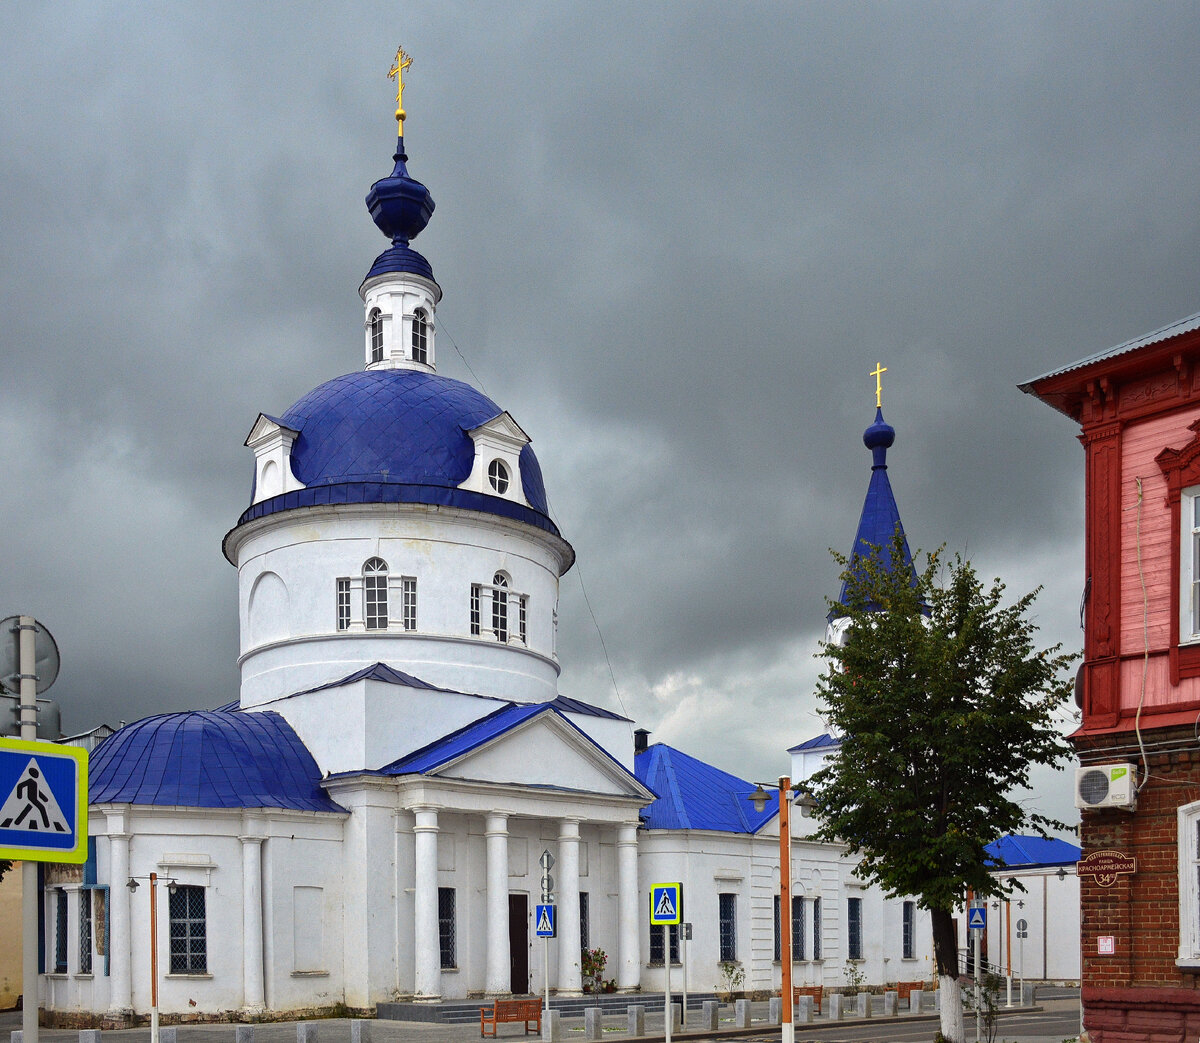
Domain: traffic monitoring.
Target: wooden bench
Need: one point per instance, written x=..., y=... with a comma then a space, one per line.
x=815, y=991
x=904, y=989
x=528, y=1011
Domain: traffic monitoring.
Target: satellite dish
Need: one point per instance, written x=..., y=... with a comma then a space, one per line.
x=45, y=656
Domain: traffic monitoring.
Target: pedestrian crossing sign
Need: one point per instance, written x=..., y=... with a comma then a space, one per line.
x=666, y=904
x=545, y=921
x=43, y=801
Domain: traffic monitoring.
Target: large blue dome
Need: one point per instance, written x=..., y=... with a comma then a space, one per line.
x=396, y=436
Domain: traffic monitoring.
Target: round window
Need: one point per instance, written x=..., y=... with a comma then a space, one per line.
x=498, y=476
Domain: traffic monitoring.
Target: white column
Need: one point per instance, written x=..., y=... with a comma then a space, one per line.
x=120, y=984
x=499, y=973
x=629, y=933
x=428, y=963
x=253, y=996
x=570, y=976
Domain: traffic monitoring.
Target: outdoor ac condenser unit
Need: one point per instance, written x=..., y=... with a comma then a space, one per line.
x=1106, y=786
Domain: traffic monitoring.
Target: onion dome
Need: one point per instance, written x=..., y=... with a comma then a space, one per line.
x=401, y=207
x=208, y=759
x=880, y=516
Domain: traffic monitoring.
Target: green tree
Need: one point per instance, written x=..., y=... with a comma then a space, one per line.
x=943, y=704
x=5, y=866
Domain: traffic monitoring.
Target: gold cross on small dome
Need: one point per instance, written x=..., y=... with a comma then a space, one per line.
x=402, y=62
x=878, y=372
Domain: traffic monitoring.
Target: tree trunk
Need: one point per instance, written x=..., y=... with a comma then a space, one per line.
x=945, y=954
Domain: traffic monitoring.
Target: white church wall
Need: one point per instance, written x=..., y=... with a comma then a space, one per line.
x=615, y=736
x=445, y=550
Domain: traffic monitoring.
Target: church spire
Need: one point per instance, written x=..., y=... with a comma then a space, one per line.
x=880, y=516
x=399, y=291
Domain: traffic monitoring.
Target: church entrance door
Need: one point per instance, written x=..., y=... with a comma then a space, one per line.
x=518, y=944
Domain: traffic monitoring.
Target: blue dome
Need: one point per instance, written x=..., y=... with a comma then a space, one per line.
x=208, y=759
x=396, y=436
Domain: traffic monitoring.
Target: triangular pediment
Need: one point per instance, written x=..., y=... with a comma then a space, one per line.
x=265, y=427
x=502, y=427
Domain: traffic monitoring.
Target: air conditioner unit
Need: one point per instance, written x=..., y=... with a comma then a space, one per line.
x=1106, y=786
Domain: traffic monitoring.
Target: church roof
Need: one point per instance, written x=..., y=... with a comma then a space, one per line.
x=396, y=436
x=817, y=742
x=1019, y=852
x=401, y=207
x=695, y=795
x=208, y=759
x=880, y=516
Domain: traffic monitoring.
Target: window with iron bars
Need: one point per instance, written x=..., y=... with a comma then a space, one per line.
x=447, y=940
x=188, y=930
x=656, y=944
x=85, y=931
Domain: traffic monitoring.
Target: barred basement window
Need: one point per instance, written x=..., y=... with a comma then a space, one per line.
x=188, y=930
x=447, y=940
x=343, y=603
x=375, y=322
x=475, y=626
x=727, y=925
x=500, y=606
x=60, y=932
x=420, y=336
x=854, y=928
x=907, y=942
x=375, y=593
x=408, y=587
x=656, y=945
x=85, y=931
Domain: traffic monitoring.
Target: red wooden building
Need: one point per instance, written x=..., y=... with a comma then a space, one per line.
x=1138, y=405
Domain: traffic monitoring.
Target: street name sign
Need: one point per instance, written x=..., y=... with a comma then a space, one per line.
x=43, y=801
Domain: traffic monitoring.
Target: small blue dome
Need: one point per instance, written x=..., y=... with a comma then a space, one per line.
x=401, y=207
x=208, y=759
x=396, y=436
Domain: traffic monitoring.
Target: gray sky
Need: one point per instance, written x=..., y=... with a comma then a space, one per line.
x=674, y=239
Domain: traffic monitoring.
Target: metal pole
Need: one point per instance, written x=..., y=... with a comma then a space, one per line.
x=788, y=1028
x=667, y=1019
x=1008, y=949
x=27, y=664
x=683, y=948
x=546, y=968
x=978, y=991
x=153, y=958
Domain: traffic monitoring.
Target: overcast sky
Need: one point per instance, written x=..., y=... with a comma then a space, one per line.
x=674, y=240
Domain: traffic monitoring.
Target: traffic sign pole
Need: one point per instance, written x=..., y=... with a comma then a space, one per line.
x=27, y=628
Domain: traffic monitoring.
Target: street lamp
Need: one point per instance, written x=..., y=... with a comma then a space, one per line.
x=806, y=803
x=132, y=884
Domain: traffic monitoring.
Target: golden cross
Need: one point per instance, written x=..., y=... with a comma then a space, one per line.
x=402, y=62
x=878, y=372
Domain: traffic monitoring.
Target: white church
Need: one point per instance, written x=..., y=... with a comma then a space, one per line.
x=363, y=823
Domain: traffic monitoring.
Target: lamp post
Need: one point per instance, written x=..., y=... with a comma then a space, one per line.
x=133, y=886
x=806, y=803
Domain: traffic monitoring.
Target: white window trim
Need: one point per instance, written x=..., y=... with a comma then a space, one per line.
x=1188, y=853
x=1189, y=609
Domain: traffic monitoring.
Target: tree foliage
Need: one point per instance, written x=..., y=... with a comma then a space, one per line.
x=943, y=704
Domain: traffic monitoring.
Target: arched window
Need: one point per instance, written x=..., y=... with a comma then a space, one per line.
x=375, y=322
x=375, y=593
x=500, y=606
x=420, y=336
x=498, y=476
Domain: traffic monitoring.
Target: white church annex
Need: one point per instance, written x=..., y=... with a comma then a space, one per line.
x=363, y=823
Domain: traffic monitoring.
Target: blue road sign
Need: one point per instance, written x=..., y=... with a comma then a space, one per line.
x=43, y=801
x=545, y=921
x=666, y=904
x=977, y=918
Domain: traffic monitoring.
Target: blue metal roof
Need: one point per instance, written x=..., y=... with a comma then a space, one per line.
x=569, y=705
x=396, y=436
x=816, y=743
x=880, y=516
x=1019, y=852
x=380, y=672
x=401, y=207
x=695, y=795
x=208, y=759
x=443, y=750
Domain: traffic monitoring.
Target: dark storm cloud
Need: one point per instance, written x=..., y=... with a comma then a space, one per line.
x=674, y=241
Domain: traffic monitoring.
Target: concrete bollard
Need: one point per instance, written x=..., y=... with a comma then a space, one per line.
x=935, y=1000
x=306, y=1032
x=676, y=1016
x=741, y=1014
x=835, y=1006
x=360, y=1031
x=16, y=1035
x=593, y=1023
x=636, y=1015
x=916, y=1001
x=93, y=1036
x=551, y=1026
x=802, y=1011
x=709, y=1012
x=243, y=1034
x=890, y=1000
x=864, y=1005
x=166, y=1034
x=1027, y=999
x=775, y=1010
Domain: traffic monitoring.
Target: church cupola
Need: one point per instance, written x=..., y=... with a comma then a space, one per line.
x=880, y=518
x=399, y=292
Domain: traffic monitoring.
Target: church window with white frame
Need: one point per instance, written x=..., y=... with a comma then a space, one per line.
x=908, y=945
x=375, y=593
x=375, y=326
x=343, y=603
x=408, y=602
x=85, y=931
x=420, y=336
x=498, y=476
x=1188, y=841
x=854, y=934
x=500, y=606
x=188, y=930
x=727, y=925
x=1189, y=564
x=447, y=927
x=506, y=610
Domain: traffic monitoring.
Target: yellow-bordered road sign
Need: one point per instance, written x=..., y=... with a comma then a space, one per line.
x=43, y=801
x=666, y=904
